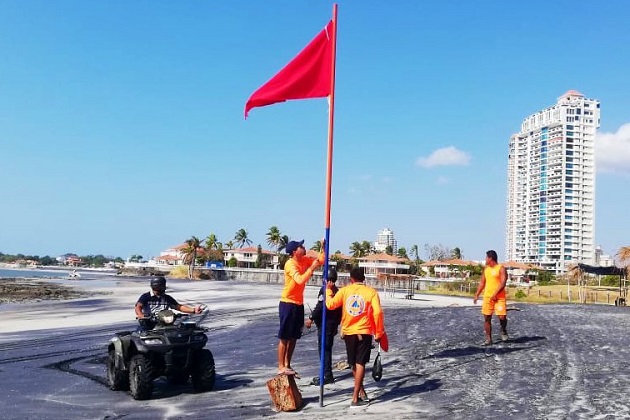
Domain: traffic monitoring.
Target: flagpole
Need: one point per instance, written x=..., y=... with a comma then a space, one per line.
x=331, y=125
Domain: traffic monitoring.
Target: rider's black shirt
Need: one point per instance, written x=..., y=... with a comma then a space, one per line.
x=152, y=304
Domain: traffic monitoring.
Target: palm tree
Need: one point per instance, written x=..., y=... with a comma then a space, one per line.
x=367, y=247
x=317, y=246
x=190, y=254
x=623, y=255
x=456, y=253
x=273, y=237
x=241, y=239
x=229, y=245
x=355, y=249
x=283, y=242
x=212, y=242
x=402, y=252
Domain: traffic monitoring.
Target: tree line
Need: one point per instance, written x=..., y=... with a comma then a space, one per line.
x=200, y=251
x=86, y=260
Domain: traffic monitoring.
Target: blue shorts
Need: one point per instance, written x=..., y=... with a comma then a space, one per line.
x=291, y=321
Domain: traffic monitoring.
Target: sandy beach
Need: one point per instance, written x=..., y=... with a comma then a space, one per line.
x=561, y=362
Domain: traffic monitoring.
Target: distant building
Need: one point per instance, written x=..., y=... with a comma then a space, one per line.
x=551, y=185
x=246, y=257
x=375, y=264
x=601, y=259
x=385, y=238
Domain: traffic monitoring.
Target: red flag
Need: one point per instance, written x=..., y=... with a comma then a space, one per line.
x=308, y=75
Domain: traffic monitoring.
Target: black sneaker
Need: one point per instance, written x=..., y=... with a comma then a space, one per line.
x=327, y=380
x=359, y=403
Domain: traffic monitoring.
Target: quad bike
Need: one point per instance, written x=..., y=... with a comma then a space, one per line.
x=172, y=345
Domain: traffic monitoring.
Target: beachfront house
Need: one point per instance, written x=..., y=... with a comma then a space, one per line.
x=375, y=264
x=247, y=257
x=448, y=269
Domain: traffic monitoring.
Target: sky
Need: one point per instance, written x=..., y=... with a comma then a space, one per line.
x=122, y=129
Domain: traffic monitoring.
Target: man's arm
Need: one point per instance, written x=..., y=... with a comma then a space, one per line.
x=333, y=302
x=182, y=308
x=503, y=278
x=301, y=278
x=379, y=318
x=189, y=309
x=138, y=309
x=482, y=285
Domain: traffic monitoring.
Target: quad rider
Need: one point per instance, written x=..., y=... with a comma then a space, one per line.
x=150, y=303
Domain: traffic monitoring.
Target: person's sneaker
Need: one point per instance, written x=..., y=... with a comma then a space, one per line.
x=327, y=381
x=365, y=398
x=505, y=337
x=487, y=342
x=359, y=403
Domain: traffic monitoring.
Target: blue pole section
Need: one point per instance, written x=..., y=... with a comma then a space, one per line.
x=322, y=353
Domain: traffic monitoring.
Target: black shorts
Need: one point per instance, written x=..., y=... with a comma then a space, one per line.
x=358, y=348
x=291, y=321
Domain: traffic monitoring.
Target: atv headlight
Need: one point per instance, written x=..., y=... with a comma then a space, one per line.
x=166, y=317
x=152, y=341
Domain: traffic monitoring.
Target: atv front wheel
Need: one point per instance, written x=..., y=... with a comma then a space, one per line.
x=117, y=379
x=140, y=377
x=203, y=373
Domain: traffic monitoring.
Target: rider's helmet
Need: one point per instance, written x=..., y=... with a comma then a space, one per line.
x=158, y=284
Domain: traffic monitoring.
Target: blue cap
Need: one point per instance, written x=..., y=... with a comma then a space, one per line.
x=293, y=245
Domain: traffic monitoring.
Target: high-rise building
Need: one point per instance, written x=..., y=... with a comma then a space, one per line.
x=385, y=238
x=551, y=185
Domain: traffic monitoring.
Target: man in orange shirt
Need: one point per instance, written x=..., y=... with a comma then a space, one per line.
x=297, y=272
x=362, y=317
x=493, y=280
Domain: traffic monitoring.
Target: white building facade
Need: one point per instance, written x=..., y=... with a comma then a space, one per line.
x=551, y=185
x=385, y=238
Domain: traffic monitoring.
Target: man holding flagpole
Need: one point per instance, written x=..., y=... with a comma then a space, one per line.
x=297, y=272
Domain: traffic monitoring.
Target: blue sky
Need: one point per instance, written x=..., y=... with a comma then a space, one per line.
x=122, y=130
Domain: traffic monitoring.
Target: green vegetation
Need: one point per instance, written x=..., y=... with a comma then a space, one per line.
x=86, y=260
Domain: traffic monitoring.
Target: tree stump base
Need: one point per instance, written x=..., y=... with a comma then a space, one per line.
x=284, y=392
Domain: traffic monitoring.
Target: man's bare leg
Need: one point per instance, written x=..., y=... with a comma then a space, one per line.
x=487, y=327
x=359, y=373
x=283, y=347
x=289, y=353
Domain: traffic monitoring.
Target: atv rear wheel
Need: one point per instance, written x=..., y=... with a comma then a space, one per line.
x=140, y=377
x=203, y=373
x=117, y=379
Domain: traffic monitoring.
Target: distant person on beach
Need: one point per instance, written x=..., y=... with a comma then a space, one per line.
x=493, y=280
x=297, y=272
x=333, y=318
x=361, y=318
x=150, y=303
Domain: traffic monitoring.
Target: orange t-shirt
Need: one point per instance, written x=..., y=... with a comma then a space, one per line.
x=362, y=313
x=296, y=275
x=493, y=281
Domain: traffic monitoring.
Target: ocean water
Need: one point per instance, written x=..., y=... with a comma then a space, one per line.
x=90, y=279
x=31, y=273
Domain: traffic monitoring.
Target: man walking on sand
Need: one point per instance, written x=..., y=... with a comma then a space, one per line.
x=297, y=272
x=493, y=280
x=361, y=318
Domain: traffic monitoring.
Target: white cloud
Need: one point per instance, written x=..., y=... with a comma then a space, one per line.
x=446, y=156
x=612, y=150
